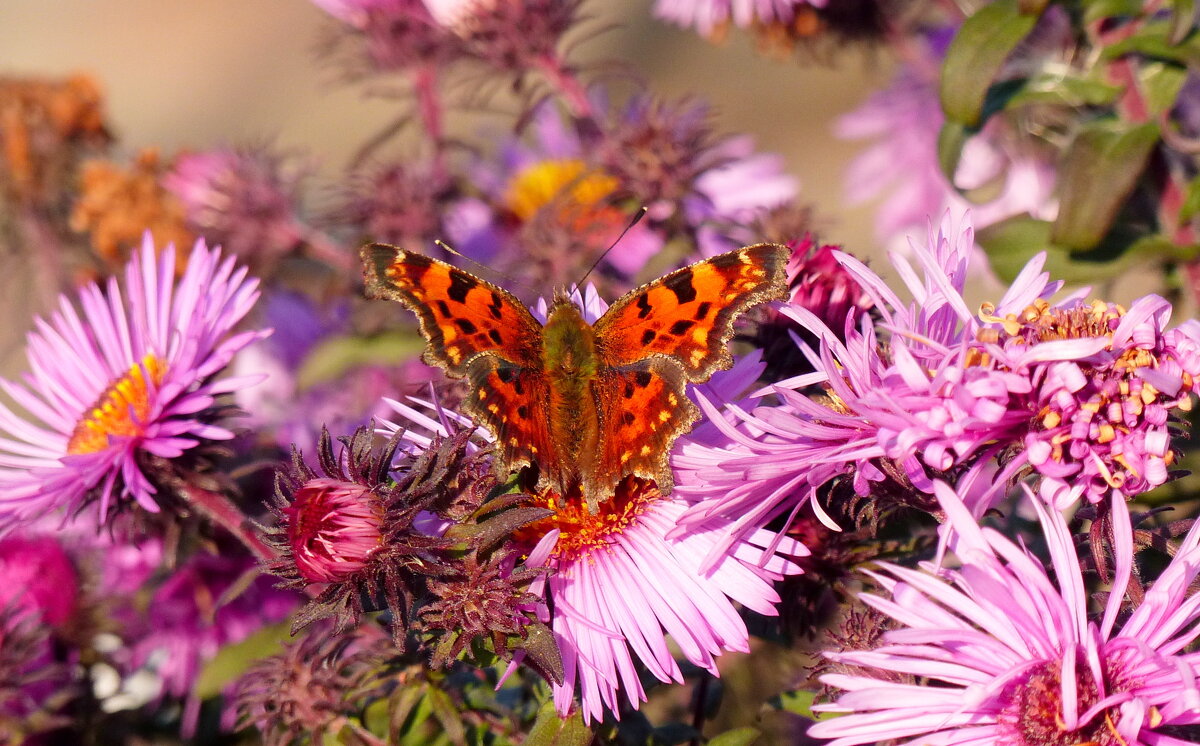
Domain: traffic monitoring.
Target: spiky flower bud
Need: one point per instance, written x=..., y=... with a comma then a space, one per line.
x=355, y=530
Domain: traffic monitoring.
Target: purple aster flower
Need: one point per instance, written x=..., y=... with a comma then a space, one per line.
x=129, y=380
x=904, y=120
x=601, y=561
x=1013, y=657
x=711, y=17
x=555, y=209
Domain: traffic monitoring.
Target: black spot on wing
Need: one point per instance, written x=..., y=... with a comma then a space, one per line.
x=460, y=285
x=466, y=326
x=727, y=260
x=523, y=412
x=628, y=390
x=627, y=418
x=644, y=307
x=443, y=308
x=506, y=375
x=419, y=261
x=495, y=336
x=702, y=310
x=648, y=336
x=681, y=326
x=642, y=378
x=681, y=285
x=496, y=307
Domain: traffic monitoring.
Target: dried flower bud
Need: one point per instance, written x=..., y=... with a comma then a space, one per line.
x=309, y=690
x=117, y=206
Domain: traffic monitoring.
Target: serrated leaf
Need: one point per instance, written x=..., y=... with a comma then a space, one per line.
x=1160, y=84
x=332, y=358
x=736, y=737
x=232, y=661
x=976, y=55
x=1101, y=167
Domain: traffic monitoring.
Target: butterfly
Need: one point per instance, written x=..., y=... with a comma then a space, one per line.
x=587, y=403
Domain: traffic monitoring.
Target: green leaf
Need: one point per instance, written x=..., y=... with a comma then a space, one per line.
x=1183, y=19
x=1154, y=41
x=1101, y=167
x=551, y=730
x=330, y=359
x=447, y=715
x=232, y=661
x=401, y=704
x=1011, y=243
x=1161, y=83
x=951, y=139
x=976, y=55
x=1191, y=201
x=1059, y=90
x=1097, y=10
x=736, y=737
x=798, y=702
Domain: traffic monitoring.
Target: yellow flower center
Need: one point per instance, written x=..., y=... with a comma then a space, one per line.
x=121, y=410
x=582, y=531
x=568, y=180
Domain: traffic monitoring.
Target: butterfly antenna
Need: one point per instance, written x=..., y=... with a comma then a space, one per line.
x=482, y=269
x=641, y=213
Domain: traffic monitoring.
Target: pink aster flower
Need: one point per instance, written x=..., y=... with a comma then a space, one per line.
x=133, y=377
x=1082, y=393
x=1013, y=657
x=709, y=17
x=245, y=200
x=901, y=164
x=627, y=550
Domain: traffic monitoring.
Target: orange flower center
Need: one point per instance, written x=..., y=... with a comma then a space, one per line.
x=121, y=410
x=581, y=531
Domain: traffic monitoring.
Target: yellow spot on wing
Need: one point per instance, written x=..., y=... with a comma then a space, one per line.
x=646, y=450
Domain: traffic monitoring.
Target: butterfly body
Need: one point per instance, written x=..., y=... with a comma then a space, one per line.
x=587, y=403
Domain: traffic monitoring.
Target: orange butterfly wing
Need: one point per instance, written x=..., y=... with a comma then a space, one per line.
x=476, y=330
x=659, y=337
x=688, y=314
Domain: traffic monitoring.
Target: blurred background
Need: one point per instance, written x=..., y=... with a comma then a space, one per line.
x=222, y=72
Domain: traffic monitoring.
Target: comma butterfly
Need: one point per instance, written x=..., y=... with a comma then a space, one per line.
x=588, y=404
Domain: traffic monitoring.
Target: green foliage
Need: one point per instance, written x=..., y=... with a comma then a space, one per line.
x=976, y=55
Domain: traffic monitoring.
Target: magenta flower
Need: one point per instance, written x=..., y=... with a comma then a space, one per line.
x=710, y=17
x=1013, y=657
x=184, y=626
x=39, y=579
x=131, y=378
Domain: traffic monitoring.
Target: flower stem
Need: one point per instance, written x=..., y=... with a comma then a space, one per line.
x=568, y=87
x=220, y=510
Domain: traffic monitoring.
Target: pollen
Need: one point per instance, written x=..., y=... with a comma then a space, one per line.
x=121, y=411
x=583, y=532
